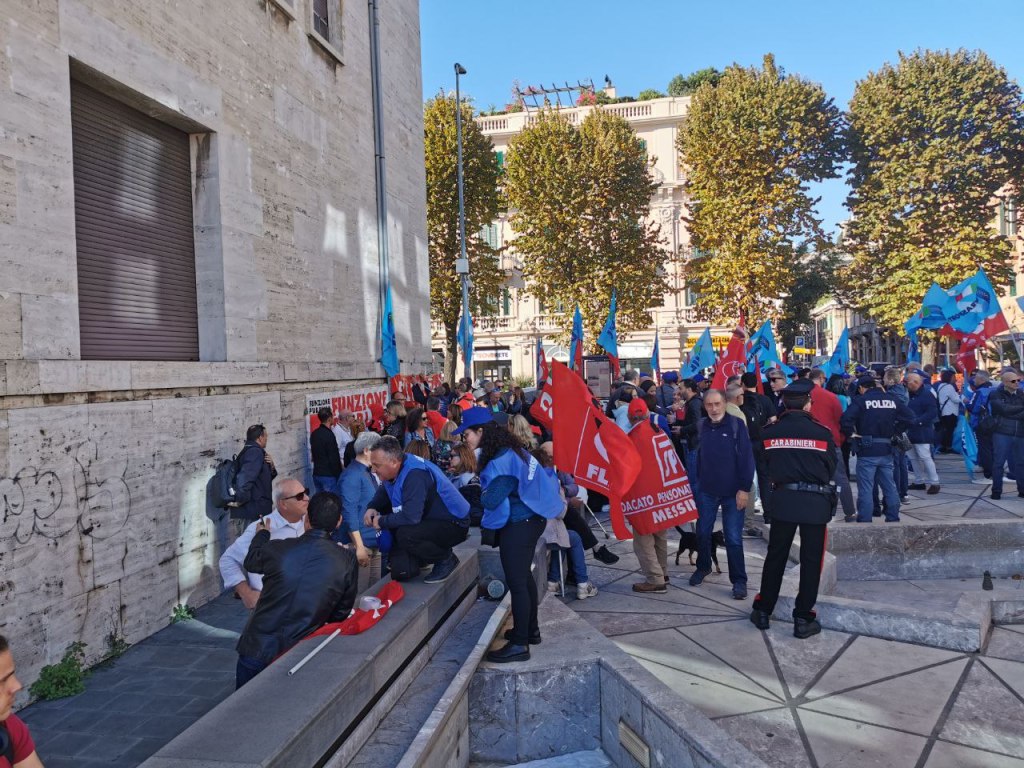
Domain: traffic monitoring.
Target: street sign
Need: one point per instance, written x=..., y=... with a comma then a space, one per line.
x=798, y=341
x=804, y=351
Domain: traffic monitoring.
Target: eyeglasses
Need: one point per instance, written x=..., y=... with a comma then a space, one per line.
x=300, y=496
x=1013, y=381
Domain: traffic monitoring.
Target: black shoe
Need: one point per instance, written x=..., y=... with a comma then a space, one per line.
x=996, y=495
x=606, y=557
x=804, y=628
x=760, y=618
x=509, y=653
x=442, y=570
x=916, y=486
x=534, y=639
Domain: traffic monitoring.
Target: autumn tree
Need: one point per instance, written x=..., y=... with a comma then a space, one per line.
x=750, y=145
x=815, y=275
x=578, y=200
x=481, y=199
x=685, y=86
x=933, y=138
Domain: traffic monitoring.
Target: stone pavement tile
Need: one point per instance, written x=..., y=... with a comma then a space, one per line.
x=742, y=647
x=838, y=743
x=711, y=698
x=986, y=511
x=671, y=648
x=1010, y=672
x=801, y=661
x=44, y=717
x=623, y=601
x=1003, y=644
x=910, y=702
x=771, y=735
x=699, y=602
x=600, y=575
x=1018, y=628
x=945, y=755
x=899, y=592
x=614, y=624
x=868, y=659
x=986, y=715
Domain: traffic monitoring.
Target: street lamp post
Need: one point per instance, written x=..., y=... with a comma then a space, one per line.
x=462, y=263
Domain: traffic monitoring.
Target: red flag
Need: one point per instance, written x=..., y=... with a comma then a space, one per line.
x=585, y=440
x=757, y=373
x=661, y=496
x=616, y=370
x=544, y=369
x=540, y=408
x=733, y=362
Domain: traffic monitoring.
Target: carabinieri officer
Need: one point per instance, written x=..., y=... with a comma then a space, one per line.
x=801, y=460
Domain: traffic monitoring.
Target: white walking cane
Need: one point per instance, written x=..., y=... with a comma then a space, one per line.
x=314, y=652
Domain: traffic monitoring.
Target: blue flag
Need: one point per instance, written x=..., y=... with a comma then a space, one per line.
x=972, y=301
x=609, y=338
x=655, y=361
x=935, y=307
x=762, y=345
x=913, y=351
x=576, y=342
x=389, y=339
x=701, y=356
x=465, y=339
x=841, y=357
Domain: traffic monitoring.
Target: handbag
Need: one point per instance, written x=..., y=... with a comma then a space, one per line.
x=902, y=442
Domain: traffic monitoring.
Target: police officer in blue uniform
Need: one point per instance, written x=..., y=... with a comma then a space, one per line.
x=800, y=457
x=873, y=419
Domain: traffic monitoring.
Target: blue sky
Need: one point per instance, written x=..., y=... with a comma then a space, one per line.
x=643, y=43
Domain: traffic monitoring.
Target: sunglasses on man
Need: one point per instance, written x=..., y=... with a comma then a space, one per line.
x=300, y=496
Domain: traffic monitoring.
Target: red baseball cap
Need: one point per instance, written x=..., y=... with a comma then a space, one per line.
x=637, y=407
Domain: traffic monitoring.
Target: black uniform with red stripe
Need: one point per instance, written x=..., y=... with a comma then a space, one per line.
x=801, y=460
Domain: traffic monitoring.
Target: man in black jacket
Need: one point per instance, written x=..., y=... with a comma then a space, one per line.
x=256, y=473
x=688, y=430
x=760, y=412
x=307, y=582
x=1007, y=405
x=326, y=457
x=801, y=459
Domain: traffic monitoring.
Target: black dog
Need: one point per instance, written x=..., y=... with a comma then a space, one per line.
x=688, y=542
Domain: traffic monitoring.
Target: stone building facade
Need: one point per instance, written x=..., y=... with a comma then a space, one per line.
x=104, y=462
x=505, y=341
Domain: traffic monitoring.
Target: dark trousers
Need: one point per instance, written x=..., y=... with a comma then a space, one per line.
x=947, y=424
x=1007, y=449
x=985, y=454
x=246, y=669
x=575, y=521
x=517, y=543
x=812, y=553
x=429, y=541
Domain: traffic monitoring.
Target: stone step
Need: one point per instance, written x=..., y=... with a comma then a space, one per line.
x=592, y=759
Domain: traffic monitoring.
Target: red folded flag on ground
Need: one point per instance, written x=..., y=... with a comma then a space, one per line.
x=360, y=621
x=585, y=440
x=661, y=496
x=733, y=362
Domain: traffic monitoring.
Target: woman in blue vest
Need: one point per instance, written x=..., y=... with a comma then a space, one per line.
x=519, y=496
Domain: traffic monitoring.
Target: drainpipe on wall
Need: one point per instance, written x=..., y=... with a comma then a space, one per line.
x=379, y=165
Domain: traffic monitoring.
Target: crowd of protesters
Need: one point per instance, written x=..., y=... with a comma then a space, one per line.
x=399, y=490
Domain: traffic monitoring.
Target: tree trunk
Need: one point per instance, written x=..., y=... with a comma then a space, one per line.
x=451, y=352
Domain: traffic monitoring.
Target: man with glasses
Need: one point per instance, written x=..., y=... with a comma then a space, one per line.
x=287, y=521
x=1007, y=405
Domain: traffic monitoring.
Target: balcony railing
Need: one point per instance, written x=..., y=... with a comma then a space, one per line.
x=655, y=109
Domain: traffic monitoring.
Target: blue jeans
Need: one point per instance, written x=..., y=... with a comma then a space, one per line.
x=577, y=560
x=323, y=483
x=732, y=527
x=1007, y=448
x=246, y=669
x=871, y=470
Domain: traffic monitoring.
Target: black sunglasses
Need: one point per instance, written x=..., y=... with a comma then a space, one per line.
x=304, y=493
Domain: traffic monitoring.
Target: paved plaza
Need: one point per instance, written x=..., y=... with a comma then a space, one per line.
x=837, y=699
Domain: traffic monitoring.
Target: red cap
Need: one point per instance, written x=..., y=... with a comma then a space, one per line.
x=637, y=407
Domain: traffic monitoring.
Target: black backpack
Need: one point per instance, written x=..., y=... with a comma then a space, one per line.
x=6, y=743
x=222, y=488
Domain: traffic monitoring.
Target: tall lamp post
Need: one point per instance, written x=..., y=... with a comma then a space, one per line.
x=462, y=263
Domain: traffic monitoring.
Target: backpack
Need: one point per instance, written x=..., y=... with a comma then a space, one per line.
x=6, y=743
x=986, y=421
x=222, y=488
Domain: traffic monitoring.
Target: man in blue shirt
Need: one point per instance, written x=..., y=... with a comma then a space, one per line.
x=725, y=472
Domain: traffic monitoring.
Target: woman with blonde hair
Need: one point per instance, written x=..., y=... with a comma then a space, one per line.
x=444, y=445
x=520, y=428
x=455, y=414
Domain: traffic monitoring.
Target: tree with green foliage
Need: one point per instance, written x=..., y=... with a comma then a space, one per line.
x=481, y=198
x=750, y=146
x=649, y=93
x=579, y=200
x=814, y=276
x=687, y=85
x=932, y=140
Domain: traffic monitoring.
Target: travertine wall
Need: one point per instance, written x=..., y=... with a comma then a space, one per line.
x=103, y=465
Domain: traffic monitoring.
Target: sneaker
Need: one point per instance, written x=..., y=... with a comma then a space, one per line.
x=553, y=587
x=698, y=578
x=760, y=619
x=650, y=589
x=605, y=556
x=849, y=518
x=932, y=490
x=804, y=628
x=980, y=481
x=904, y=499
x=585, y=590
x=739, y=591
x=996, y=495
x=917, y=486
x=442, y=570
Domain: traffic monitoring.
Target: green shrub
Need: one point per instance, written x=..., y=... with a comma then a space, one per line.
x=65, y=678
x=182, y=613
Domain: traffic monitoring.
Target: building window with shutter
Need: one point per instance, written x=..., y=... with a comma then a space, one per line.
x=325, y=27
x=321, y=19
x=134, y=233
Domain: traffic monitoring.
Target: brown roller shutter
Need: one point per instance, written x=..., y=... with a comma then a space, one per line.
x=133, y=226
